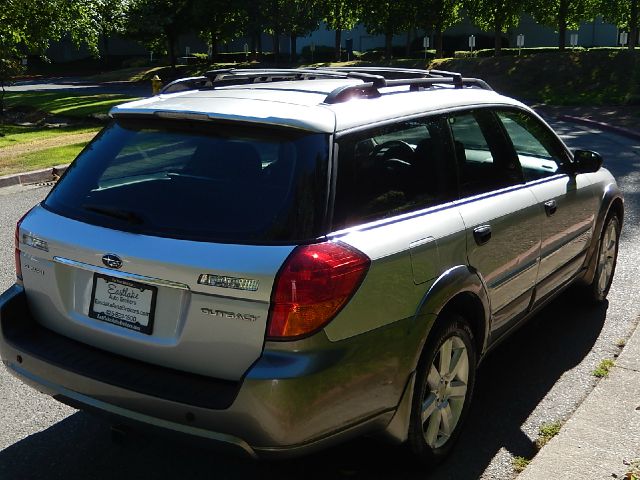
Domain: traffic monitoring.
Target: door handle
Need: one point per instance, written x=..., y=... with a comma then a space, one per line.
x=482, y=234
x=550, y=207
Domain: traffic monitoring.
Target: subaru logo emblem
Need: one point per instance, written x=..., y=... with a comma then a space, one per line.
x=111, y=260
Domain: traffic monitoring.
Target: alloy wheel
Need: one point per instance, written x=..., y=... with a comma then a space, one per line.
x=445, y=392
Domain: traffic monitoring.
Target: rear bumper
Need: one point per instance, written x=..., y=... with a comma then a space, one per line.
x=286, y=405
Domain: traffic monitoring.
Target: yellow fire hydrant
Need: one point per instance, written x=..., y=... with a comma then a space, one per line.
x=156, y=85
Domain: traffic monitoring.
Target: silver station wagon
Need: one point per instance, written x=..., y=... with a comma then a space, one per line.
x=283, y=259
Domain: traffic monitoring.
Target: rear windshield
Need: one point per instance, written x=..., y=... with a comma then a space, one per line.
x=199, y=181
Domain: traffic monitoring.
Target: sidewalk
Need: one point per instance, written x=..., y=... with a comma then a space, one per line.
x=603, y=435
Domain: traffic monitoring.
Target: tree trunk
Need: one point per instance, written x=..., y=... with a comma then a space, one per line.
x=105, y=47
x=171, y=50
x=497, y=46
x=338, y=44
x=410, y=36
x=2, y=100
x=388, y=46
x=214, y=45
x=294, y=47
x=633, y=22
x=562, y=26
x=276, y=47
x=439, y=43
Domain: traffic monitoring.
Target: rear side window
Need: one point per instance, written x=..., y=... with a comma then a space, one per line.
x=393, y=170
x=199, y=181
x=538, y=149
x=485, y=161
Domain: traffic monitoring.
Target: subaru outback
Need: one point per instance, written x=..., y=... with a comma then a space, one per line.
x=283, y=259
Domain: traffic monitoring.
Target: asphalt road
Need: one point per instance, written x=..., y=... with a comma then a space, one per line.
x=80, y=85
x=539, y=376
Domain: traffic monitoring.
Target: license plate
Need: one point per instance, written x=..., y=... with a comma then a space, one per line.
x=122, y=302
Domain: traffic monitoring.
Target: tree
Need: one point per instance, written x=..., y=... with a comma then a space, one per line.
x=386, y=17
x=29, y=27
x=157, y=22
x=301, y=18
x=110, y=18
x=437, y=16
x=562, y=15
x=625, y=14
x=219, y=21
x=340, y=15
x=273, y=14
x=497, y=16
x=256, y=23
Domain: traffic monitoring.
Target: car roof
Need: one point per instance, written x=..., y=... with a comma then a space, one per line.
x=302, y=104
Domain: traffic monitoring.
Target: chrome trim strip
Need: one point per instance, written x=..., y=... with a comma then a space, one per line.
x=138, y=417
x=438, y=208
x=127, y=276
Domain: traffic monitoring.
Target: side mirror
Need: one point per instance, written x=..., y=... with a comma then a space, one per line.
x=586, y=161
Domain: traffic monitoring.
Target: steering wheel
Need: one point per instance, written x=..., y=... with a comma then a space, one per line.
x=393, y=149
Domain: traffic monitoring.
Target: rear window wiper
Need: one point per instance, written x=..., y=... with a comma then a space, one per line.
x=126, y=215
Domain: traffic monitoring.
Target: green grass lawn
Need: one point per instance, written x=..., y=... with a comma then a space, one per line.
x=65, y=103
x=41, y=159
x=15, y=135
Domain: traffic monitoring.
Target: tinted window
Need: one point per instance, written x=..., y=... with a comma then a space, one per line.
x=538, y=149
x=199, y=181
x=485, y=161
x=393, y=170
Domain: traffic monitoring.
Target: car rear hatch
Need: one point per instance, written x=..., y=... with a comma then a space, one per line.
x=163, y=239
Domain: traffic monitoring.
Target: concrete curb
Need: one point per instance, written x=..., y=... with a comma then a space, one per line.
x=603, y=435
x=626, y=132
x=37, y=176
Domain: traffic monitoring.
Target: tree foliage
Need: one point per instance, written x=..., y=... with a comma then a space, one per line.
x=219, y=20
x=497, y=16
x=28, y=27
x=340, y=15
x=563, y=15
x=436, y=16
x=302, y=17
x=387, y=17
x=625, y=14
x=110, y=17
x=159, y=23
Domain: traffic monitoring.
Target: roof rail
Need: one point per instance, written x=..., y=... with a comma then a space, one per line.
x=369, y=90
x=373, y=78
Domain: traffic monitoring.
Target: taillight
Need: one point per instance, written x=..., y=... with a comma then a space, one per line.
x=314, y=284
x=16, y=238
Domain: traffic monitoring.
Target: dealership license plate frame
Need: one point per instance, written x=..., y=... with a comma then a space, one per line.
x=149, y=305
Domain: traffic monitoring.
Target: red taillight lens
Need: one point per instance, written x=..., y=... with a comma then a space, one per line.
x=16, y=238
x=314, y=284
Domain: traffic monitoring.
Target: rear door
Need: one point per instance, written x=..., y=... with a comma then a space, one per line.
x=162, y=241
x=501, y=216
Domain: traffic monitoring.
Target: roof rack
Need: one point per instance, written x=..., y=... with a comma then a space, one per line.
x=373, y=79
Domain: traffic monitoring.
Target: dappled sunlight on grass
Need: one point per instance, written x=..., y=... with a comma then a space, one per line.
x=14, y=135
x=41, y=159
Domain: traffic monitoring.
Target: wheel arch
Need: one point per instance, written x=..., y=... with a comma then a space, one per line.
x=459, y=290
x=612, y=201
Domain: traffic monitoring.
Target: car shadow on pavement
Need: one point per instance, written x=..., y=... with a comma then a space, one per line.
x=512, y=381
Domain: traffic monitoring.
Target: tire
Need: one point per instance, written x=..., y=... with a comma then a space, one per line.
x=443, y=391
x=607, y=259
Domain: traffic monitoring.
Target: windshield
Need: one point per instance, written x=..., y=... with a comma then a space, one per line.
x=199, y=181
